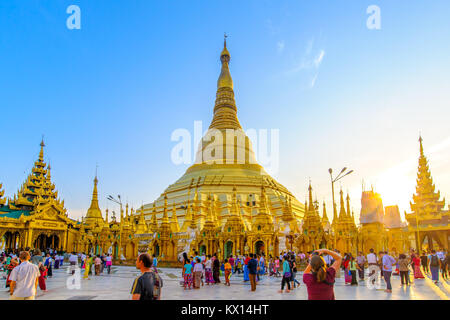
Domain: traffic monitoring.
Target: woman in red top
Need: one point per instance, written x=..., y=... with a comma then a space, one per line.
x=42, y=284
x=417, y=272
x=319, y=279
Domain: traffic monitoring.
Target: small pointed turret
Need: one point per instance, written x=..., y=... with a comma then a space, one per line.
x=342, y=210
x=94, y=215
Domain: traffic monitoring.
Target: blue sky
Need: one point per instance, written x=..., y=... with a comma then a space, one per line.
x=113, y=92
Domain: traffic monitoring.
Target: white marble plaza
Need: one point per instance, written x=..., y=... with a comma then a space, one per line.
x=117, y=285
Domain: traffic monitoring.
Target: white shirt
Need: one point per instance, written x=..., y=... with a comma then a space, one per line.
x=108, y=258
x=83, y=257
x=372, y=258
x=440, y=255
x=25, y=275
x=208, y=264
x=327, y=259
x=73, y=258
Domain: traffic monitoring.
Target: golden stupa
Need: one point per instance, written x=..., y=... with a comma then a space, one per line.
x=218, y=178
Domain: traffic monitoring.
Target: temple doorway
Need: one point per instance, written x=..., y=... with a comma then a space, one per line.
x=44, y=242
x=156, y=249
x=228, y=249
x=202, y=250
x=11, y=240
x=259, y=247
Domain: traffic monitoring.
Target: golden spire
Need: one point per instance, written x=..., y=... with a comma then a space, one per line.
x=342, y=210
x=154, y=223
x=175, y=226
x=94, y=214
x=41, y=153
x=348, y=206
x=324, y=216
x=142, y=225
x=225, y=111
x=311, y=204
x=165, y=218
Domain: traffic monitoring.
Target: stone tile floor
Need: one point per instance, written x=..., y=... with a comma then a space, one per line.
x=117, y=285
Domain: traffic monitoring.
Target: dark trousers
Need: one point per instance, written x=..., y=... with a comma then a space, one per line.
x=404, y=276
x=387, y=278
x=252, y=281
x=354, y=281
x=361, y=272
x=425, y=268
x=287, y=281
x=109, y=269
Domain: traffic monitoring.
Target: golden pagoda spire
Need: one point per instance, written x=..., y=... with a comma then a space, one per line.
x=41, y=153
x=348, y=206
x=225, y=111
x=165, y=218
x=142, y=225
x=311, y=204
x=324, y=216
x=174, y=223
x=94, y=214
x=426, y=200
x=342, y=210
x=154, y=223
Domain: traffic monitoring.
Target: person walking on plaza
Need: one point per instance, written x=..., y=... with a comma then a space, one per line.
x=187, y=274
x=148, y=285
x=246, y=274
x=73, y=260
x=97, y=263
x=49, y=264
x=24, y=279
x=208, y=271
x=286, y=275
x=361, y=261
x=319, y=279
x=435, y=264
x=403, y=265
x=417, y=272
x=87, y=266
x=198, y=270
x=37, y=258
x=387, y=262
x=228, y=271
x=293, y=265
x=11, y=265
x=352, y=267
x=372, y=261
x=42, y=276
x=216, y=269
x=252, y=266
x=424, y=262
x=108, y=263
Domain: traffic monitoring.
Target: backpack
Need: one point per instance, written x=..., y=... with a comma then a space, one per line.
x=434, y=261
x=157, y=284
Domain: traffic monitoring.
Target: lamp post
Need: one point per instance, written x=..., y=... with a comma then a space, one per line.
x=339, y=177
x=111, y=198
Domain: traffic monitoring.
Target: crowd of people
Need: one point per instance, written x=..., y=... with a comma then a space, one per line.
x=20, y=268
x=321, y=267
x=27, y=270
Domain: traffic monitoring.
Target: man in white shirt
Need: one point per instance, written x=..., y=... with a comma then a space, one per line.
x=73, y=260
x=24, y=279
x=372, y=261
